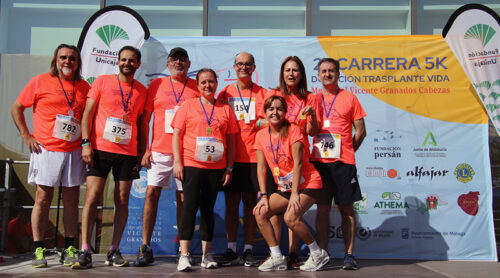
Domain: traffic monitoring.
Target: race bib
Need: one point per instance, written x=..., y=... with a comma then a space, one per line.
x=285, y=183
x=117, y=131
x=169, y=116
x=209, y=149
x=327, y=145
x=238, y=107
x=66, y=128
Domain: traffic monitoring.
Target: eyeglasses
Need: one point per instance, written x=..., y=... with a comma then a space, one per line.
x=178, y=58
x=240, y=65
x=71, y=58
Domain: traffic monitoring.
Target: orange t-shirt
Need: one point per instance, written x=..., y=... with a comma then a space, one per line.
x=45, y=94
x=283, y=154
x=192, y=119
x=345, y=110
x=110, y=103
x=245, y=140
x=162, y=97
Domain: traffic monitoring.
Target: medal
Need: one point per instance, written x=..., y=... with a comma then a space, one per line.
x=326, y=123
x=209, y=131
x=303, y=116
x=71, y=113
x=124, y=117
x=209, y=120
x=276, y=171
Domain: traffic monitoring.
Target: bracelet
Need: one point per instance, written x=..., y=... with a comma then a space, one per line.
x=263, y=194
x=85, y=142
x=258, y=122
x=229, y=168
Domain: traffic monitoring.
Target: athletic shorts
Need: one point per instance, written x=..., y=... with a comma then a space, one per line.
x=125, y=167
x=314, y=193
x=198, y=177
x=340, y=182
x=162, y=171
x=244, y=178
x=271, y=185
x=54, y=168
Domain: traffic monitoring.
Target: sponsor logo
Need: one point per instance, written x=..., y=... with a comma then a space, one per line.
x=139, y=186
x=481, y=32
x=363, y=233
x=360, y=206
x=430, y=147
x=391, y=203
x=335, y=232
x=405, y=233
x=431, y=202
x=420, y=172
x=469, y=202
x=90, y=80
x=464, y=172
x=386, y=137
x=380, y=172
x=109, y=33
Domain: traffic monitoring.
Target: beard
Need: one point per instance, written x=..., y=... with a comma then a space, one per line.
x=127, y=71
x=65, y=71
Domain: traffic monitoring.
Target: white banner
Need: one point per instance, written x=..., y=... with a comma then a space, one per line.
x=104, y=34
x=473, y=34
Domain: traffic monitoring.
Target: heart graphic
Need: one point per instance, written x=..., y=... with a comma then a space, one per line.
x=469, y=202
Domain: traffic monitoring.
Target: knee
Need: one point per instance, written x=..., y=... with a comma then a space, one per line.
x=153, y=193
x=291, y=219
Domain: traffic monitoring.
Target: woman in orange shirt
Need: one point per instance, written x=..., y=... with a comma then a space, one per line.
x=281, y=145
x=203, y=147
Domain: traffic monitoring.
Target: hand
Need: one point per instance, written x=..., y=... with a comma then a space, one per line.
x=294, y=203
x=226, y=178
x=88, y=155
x=308, y=111
x=146, y=160
x=33, y=144
x=262, y=207
x=178, y=170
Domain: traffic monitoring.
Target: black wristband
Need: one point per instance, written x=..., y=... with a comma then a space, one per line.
x=85, y=141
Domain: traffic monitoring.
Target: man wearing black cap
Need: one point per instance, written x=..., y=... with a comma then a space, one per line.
x=165, y=95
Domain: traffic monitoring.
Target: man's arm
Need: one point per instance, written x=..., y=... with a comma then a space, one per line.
x=17, y=112
x=360, y=134
x=87, y=119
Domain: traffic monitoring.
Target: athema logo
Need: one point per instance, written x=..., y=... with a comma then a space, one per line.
x=109, y=33
x=482, y=32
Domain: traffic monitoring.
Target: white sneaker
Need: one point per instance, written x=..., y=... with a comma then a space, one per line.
x=274, y=263
x=184, y=264
x=208, y=262
x=316, y=262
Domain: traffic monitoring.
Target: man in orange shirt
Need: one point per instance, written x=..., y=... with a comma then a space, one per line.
x=111, y=140
x=246, y=100
x=165, y=96
x=58, y=100
x=333, y=156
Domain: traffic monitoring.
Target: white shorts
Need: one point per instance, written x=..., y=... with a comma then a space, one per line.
x=53, y=168
x=162, y=171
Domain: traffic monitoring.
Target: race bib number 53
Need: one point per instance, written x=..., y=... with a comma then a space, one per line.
x=209, y=149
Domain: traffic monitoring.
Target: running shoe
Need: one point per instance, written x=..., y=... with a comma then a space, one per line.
x=38, y=259
x=69, y=256
x=145, y=256
x=115, y=259
x=350, y=262
x=229, y=258
x=273, y=264
x=316, y=262
x=249, y=259
x=208, y=261
x=84, y=260
x=184, y=265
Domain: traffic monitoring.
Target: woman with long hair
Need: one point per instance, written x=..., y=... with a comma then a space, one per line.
x=281, y=147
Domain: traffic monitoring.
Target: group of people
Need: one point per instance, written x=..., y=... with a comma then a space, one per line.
x=249, y=142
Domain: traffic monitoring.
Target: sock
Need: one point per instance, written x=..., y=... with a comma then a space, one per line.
x=112, y=248
x=37, y=244
x=276, y=251
x=314, y=248
x=248, y=247
x=232, y=246
x=86, y=247
x=69, y=241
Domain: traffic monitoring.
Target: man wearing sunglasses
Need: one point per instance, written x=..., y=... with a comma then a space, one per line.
x=165, y=95
x=58, y=100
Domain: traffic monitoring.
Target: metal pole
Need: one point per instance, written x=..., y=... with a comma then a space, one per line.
x=6, y=205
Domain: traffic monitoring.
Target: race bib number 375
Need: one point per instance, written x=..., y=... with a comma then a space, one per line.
x=117, y=131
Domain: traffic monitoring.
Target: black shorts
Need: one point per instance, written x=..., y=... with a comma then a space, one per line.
x=314, y=193
x=125, y=167
x=271, y=185
x=340, y=182
x=244, y=178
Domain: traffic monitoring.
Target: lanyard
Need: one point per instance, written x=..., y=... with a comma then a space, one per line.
x=275, y=157
x=209, y=120
x=173, y=90
x=125, y=104
x=70, y=103
x=298, y=104
x=247, y=108
x=327, y=113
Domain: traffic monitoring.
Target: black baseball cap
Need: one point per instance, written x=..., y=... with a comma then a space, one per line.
x=178, y=51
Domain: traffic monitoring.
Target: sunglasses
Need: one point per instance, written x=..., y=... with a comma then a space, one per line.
x=71, y=58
